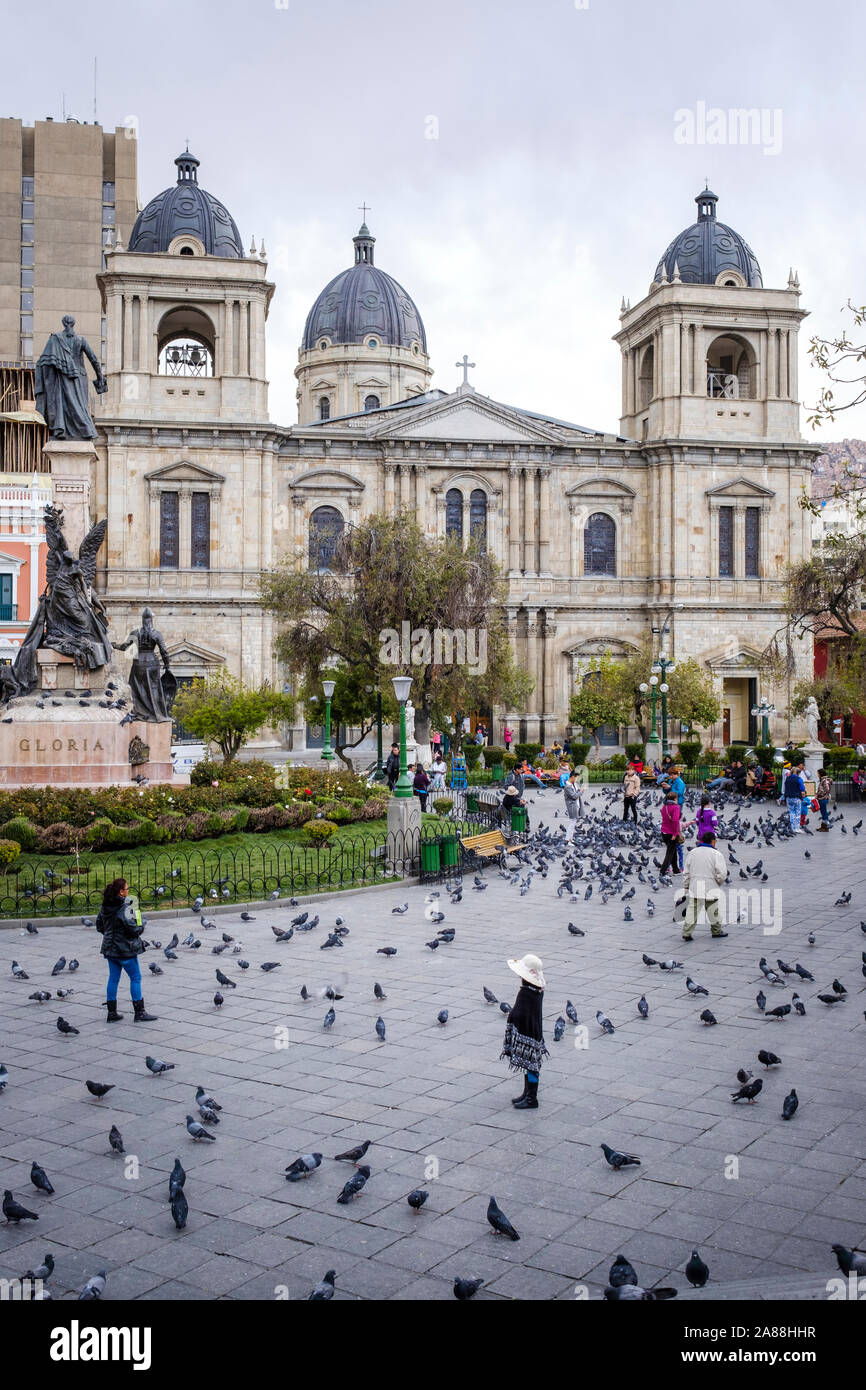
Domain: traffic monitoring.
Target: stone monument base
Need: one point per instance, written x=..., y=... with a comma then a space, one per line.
x=64, y=735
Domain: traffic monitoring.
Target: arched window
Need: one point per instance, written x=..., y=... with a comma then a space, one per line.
x=730, y=374
x=326, y=527
x=324, y=407
x=186, y=356
x=599, y=545
x=645, y=380
x=454, y=513
x=478, y=517
x=371, y=402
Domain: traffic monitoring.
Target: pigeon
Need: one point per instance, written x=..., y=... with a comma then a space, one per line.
x=499, y=1221
x=378, y=991
x=355, y=1184
x=302, y=917
x=811, y=938
x=769, y=1059
x=59, y=966
x=697, y=1272
x=575, y=931
x=156, y=1067
x=270, y=965
x=330, y=992
x=417, y=1197
x=46, y=1269
x=324, y=1289
x=849, y=1261
x=218, y=1000
x=843, y=900
x=203, y=1099
x=18, y=973
x=353, y=1155
x=604, y=1022
x=489, y=996
x=558, y=1029
x=621, y=1272
x=41, y=996
x=380, y=1029
x=39, y=1179
x=387, y=951
x=179, y=1208
x=115, y=1139
x=571, y=1012
x=303, y=1167
x=708, y=1018
x=831, y=999
x=761, y=1000
x=504, y=1008
x=838, y=988
x=64, y=1027
x=154, y=968
x=176, y=1178
x=789, y=1105
x=799, y=1006
x=94, y=1288
x=13, y=1211
x=803, y=972
x=99, y=1088
x=671, y=965
x=433, y=945
x=225, y=981
x=465, y=1289
x=648, y=960
x=196, y=1130
x=643, y=1007
x=633, y=1293
x=398, y=911
x=442, y=1016
x=619, y=1160
x=330, y=1019
x=247, y=917
x=743, y=1075
x=31, y=930
x=780, y=1012
x=749, y=1091
x=694, y=988
x=4, y=1077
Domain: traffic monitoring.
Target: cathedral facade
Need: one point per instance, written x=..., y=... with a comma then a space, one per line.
x=672, y=532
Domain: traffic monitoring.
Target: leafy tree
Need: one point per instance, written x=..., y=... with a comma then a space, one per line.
x=600, y=699
x=221, y=709
x=835, y=693
x=692, y=698
x=386, y=573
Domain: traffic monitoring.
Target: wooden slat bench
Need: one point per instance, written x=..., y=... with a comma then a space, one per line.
x=490, y=845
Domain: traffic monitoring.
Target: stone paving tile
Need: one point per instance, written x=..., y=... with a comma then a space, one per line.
x=440, y=1096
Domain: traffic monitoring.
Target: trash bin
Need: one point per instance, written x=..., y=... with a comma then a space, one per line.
x=497, y=772
x=518, y=819
x=430, y=857
x=472, y=803
x=449, y=850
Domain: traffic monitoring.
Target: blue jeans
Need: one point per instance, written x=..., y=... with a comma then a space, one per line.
x=823, y=802
x=536, y=781
x=794, y=804
x=132, y=969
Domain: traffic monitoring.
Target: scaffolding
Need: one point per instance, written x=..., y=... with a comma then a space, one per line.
x=23, y=432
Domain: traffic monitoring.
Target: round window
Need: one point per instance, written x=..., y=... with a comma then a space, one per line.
x=373, y=342
x=323, y=345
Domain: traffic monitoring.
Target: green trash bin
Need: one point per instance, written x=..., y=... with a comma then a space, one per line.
x=450, y=855
x=472, y=803
x=498, y=772
x=430, y=859
x=518, y=819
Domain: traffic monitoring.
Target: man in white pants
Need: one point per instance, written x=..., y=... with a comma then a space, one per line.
x=705, y=872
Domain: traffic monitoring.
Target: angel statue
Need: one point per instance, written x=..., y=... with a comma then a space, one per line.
x=69, y=618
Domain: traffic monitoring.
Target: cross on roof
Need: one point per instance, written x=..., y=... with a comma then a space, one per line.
x=364, y=209
x=465, y=364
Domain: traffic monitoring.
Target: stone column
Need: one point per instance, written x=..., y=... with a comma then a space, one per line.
x=532, y=657
x=514, y=529
x=184, y=558
x=544, y=521
x=739, y=540
x=529, y=522
x=144, y=362
x=389, y=469
x=225, y=366
x=71, y=463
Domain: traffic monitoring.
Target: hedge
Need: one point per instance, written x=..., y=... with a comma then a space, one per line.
x=529, y=751
x=319, y=831
x=689, y=752
x=579, y=753
x=9, y=852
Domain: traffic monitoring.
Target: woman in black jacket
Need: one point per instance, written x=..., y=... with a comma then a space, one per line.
x=121, y=945
x=524, y=1040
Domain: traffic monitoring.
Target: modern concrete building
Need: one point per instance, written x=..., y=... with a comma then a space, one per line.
x=65, y=190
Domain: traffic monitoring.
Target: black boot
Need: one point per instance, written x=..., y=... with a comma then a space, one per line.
x=530, y=1100
x=524, y=1093
x=141, y=1014
x=113, y=1015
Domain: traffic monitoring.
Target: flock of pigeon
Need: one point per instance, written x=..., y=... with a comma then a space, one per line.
x=599, y=854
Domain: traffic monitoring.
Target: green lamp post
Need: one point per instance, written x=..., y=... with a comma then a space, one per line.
x=652, y=690
x=764, y=710
x=663, y=666
x=327, y=750
x=403, y=786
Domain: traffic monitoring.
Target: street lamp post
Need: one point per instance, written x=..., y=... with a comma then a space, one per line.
x=327, y=750
x=662, y=667
x=653, y=692
x=764, y=710
x=379, y=774
x=403, y=787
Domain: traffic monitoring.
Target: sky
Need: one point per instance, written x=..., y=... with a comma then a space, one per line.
x=525, y=163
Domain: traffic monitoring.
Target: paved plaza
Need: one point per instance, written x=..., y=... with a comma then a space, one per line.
x=763, y=1200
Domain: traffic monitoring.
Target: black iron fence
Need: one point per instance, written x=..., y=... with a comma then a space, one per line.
x=160, y=877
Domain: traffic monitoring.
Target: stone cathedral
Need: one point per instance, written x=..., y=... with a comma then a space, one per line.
x=674, y=531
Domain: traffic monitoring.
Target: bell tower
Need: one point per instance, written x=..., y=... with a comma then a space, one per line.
x=710, y=353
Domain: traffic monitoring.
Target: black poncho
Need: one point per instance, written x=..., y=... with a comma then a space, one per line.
x=524, y=1041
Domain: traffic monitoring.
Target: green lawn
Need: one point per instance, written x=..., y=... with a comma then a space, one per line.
x=231, y=868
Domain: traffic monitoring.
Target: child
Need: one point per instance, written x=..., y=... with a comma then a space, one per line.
x=524, y=1039
x=671, y=828
x=706, y=820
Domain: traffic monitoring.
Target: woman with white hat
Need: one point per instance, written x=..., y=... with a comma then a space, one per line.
x=524, y=1041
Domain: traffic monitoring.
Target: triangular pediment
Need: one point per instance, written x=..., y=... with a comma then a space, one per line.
x=610, y=488
x=731, y=656
x=184, y=472
x=741, y=487
x=327, y=479
x=464, y=416
x=186, y=653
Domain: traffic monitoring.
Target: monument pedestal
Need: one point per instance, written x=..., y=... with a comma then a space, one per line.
x=403, y=846
x=71, y=462
x=813, y=754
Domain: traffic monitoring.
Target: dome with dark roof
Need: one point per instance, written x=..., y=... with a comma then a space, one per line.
x=708, y=248
x=363, y=302
x=186, y=209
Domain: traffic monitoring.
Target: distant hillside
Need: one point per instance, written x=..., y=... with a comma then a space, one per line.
x=829, y=467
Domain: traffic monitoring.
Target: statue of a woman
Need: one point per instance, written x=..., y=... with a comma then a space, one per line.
x=152, y=695
x=812, y=718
